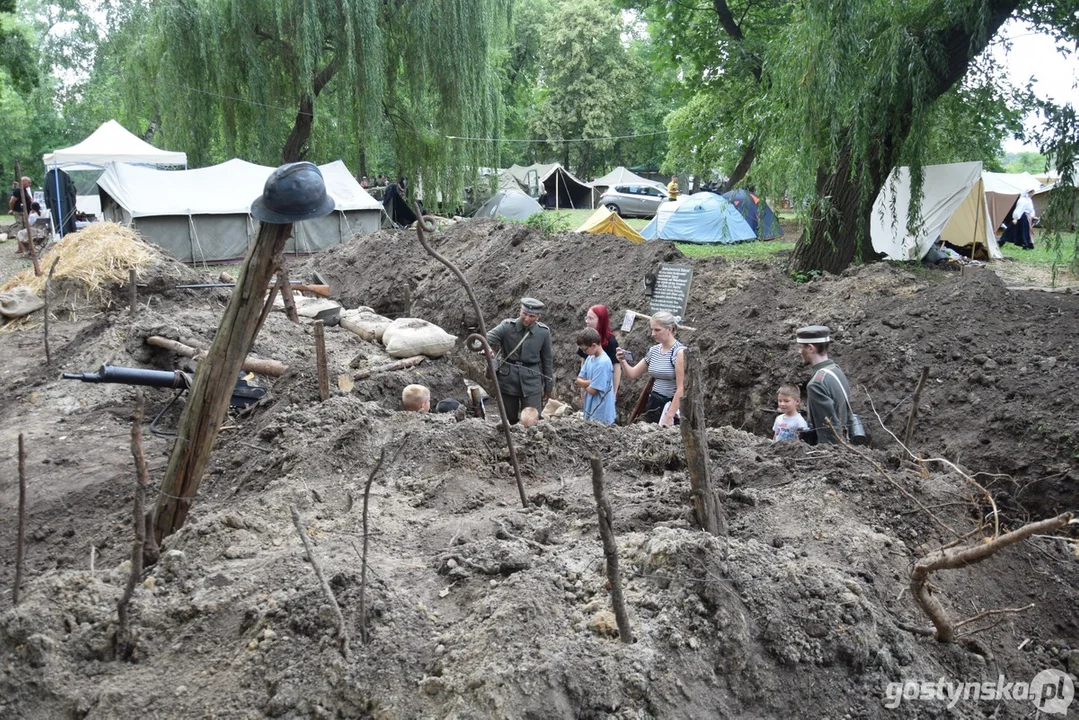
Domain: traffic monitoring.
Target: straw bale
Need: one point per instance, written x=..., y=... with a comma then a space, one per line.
x=94, y=263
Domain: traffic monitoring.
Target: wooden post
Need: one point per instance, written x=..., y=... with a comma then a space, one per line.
x=26, y=221
x=909, y=432
x=320, y=361
x=610, y=551
x=124, y=645
x=20, y=538
x=695, y=438
x=208, y=399
x=132, y=278
x=408, y=300
x=286, y=292
x=48, y=293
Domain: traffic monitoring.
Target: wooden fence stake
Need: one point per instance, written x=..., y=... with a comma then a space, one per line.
x=132, y=279
x=320, y=362
x=20, y=540
x=208, y=399
x=124, y=646
x=286, y=292
x=48, y=294
x=695, y=438
x=610, y=552
x=909, y=433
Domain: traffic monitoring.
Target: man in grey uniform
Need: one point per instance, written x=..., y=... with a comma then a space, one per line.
x=827, y=392
x=525, y=360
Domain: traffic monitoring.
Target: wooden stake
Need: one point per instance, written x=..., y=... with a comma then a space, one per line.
x=270, y=368
x=320, y=362
x=286, y=292
x=48, y=293
x=342, y=631
x=208, y=399
x=20, y=538
x=132, y=278
x=909, y=433
x=610, y=551
x=695, y=438
x=408, y=300
x=124, y=646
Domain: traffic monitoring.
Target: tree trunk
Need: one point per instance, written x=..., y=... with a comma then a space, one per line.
x=296, y=145
x=749, y=154
x=838, y=231
x=839, y=223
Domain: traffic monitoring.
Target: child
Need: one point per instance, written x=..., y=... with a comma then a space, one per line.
x=529, y=416
x=416, y=397
x=596, y=378
x=790, y=423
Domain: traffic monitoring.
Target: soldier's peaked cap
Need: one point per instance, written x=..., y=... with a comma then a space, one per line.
x=813, y=334
x=531, y=305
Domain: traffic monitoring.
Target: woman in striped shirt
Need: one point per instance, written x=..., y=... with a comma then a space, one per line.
x=665, y=364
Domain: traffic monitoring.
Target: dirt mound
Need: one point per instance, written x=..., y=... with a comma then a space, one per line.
x=479, y=608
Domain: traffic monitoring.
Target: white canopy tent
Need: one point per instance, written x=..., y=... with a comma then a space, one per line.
x=953, y=208
x=204, y=215
x=623, y=176
x=1003, y=189
x=111, y=142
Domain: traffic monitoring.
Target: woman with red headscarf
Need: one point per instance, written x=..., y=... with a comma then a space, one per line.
x=599, y=319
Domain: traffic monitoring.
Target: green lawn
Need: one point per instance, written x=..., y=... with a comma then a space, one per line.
x=1044, y=252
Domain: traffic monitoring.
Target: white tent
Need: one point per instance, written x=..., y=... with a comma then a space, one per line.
x=622, y=176
x=112, y=143
x=204, y=215
x=952, y=208
x=109, y=143
x=1003, y=189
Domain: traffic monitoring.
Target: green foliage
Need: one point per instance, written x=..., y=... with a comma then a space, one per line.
x=588, y=80
x=236, y=77
x=548, y=223
x=1024, y=162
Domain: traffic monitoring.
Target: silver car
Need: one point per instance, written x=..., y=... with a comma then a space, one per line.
x=633, y=200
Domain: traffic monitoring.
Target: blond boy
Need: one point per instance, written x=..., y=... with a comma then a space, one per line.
x=790, y=422
x=529, y=416
x=416, y=398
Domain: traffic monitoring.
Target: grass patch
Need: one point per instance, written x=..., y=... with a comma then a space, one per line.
x=760, y=250
x=1043, y=254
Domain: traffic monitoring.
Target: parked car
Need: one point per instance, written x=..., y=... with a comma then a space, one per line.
x=633, y=200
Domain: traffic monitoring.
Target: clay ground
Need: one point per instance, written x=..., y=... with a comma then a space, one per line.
x=481, y=608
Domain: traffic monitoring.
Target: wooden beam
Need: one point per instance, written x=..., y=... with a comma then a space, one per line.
x=694, y=437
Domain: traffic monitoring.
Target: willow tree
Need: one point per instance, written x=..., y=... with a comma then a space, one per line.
x=283, y=80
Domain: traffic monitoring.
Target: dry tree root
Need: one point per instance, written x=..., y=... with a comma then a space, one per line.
x=951, y=559
x=476, y=342
x=20, y=540
x=342, y=631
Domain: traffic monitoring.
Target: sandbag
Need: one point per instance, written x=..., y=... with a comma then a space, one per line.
x=406, y=337
x=19, y=301
x=366, y=323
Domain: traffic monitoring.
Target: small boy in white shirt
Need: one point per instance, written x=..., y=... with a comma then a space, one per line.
x=790, y=423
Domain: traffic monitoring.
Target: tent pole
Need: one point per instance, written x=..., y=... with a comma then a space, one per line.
x=59, y=202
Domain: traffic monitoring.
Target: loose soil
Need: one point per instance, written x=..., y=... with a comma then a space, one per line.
x=480, y=608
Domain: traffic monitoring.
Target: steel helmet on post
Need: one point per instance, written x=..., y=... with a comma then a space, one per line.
x=293, y=192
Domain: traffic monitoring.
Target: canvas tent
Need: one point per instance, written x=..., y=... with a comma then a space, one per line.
x=204, y=215
x=704, y=218
x=510, y=204
x=108, y=144
x=623, y=176
x=605, y=221
x=953, y=209
x=557, y=187
x=1002, y=190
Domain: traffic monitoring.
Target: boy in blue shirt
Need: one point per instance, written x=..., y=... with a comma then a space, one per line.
x=596, y=378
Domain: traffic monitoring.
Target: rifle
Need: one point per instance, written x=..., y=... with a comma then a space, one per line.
x=243, y=395
x=320, y=290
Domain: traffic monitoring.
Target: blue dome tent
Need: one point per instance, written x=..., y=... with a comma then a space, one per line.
x=704, y=218
x=755, y=210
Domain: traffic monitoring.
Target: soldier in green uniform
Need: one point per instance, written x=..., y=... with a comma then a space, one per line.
x=525, y=360
x=828, y=391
